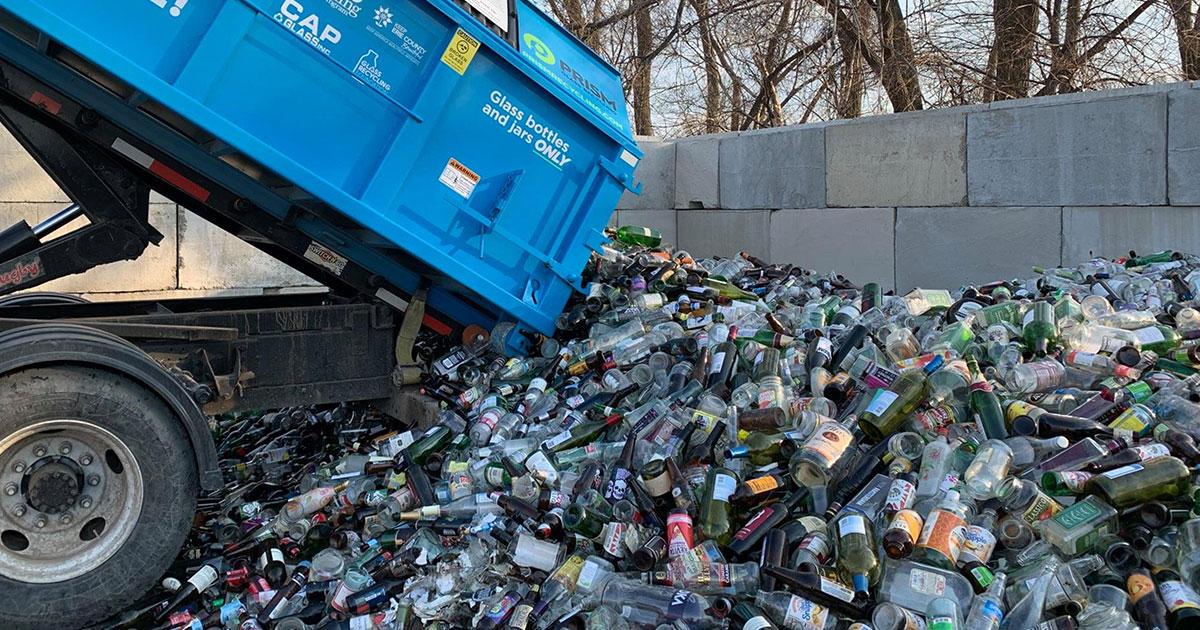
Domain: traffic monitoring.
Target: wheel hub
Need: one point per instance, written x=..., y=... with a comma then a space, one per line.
x=70, y=495
x=53, y=484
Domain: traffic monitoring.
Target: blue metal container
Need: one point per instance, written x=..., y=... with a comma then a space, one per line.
x=493, y=168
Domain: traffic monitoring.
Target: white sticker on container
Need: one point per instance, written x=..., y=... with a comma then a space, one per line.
x=852, y=524
x=459, y=178
x=325, y=257
x=1122, y=471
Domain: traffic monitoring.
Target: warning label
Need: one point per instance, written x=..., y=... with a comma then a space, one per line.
x=459, y=178
x=460, y=52
x=326, y=257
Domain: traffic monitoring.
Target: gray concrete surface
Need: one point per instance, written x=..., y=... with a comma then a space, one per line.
x=917, y=159
x=857, y=242
x=773, y=168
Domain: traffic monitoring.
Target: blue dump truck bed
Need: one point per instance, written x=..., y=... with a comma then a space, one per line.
x=479, y=148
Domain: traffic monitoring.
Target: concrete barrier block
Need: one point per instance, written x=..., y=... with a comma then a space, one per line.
x=774, y=168
x=656, y=173
x=949, y=247
x=154, y=270
x=1109, y=151
x=211, y=258
x=1112, y=232
x=24, y=180
x=1183, y=147
x=697, y=174
x=725, y=232
x=915, y=159
x=859, y=243
x=661, y=220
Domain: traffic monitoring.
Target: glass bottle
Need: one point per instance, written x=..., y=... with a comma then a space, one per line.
x=1158, y=478
x=942, y=535
x=715, y=524
x=990, y=466
x=1025, y=499
x=891, y=407
x=987, y=610
x=856, y=559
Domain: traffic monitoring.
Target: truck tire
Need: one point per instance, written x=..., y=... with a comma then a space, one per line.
x=105, y=468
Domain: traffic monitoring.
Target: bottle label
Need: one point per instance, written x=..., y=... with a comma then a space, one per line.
x=933, y=420
x=718, y=359
x=520, y=616
x=1122, y=471
x=556, y=440
x=678, y=606
x=1073, y=480
x=1148, y=335
x=757, y=623
x=978, y=545
x=983, y=576
x=941, y=622
x=723, y=487
x=611, y=538
x=901, y=495
x=588, y=575
x=991, y=610
x=1139, y=586
x=1178, y=595
x=207, y=576
x=802, y=613
x=824, y=348
x=830, y=441
x=1151, y=451
x=748, y=529
x=837, y=589
x=881, y=401
x=1076, y=515
x=1042, y=508
x=927, y=582
x=907, y=521
x=679, y=534
x=852, y=524
x=816, y=544
x=759, y=485
x=943, y=533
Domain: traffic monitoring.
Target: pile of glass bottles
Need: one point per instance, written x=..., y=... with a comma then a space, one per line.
x=728, y=443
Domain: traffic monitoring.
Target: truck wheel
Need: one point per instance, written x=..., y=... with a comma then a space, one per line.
x=97, y=491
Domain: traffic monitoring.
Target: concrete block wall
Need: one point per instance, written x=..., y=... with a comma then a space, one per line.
x=940, y=198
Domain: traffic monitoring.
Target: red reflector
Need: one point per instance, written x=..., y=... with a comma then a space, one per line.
x=435, y=325
x=171, y=176
x=46, y=103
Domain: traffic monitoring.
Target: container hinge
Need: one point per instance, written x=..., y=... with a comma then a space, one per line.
x=622, y=173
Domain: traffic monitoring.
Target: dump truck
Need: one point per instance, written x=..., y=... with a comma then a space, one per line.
x=441, y=167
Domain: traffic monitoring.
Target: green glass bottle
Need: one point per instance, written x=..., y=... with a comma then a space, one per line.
x=1158, y=339
x=715, y=523
x=1003, y=313
x=986, y=405
x=891, y=407
x=856, y=559
x=1166, y=255
x=1041, y=331
x=581, y=435
x=759, y=447
x=432, y=441
x=638, y=235
x=1158, y=478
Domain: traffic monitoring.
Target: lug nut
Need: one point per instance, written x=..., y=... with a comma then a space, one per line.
x=64, y=448
x=65, y=519
x=19, y=467
x=85, y=502
x=39, y=451
x=10, y=489
x=19, y=510
x=41, y=522
x=93, y=480
x=86, y=460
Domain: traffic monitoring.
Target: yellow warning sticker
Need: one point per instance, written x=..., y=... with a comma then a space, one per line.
x=460, y=52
